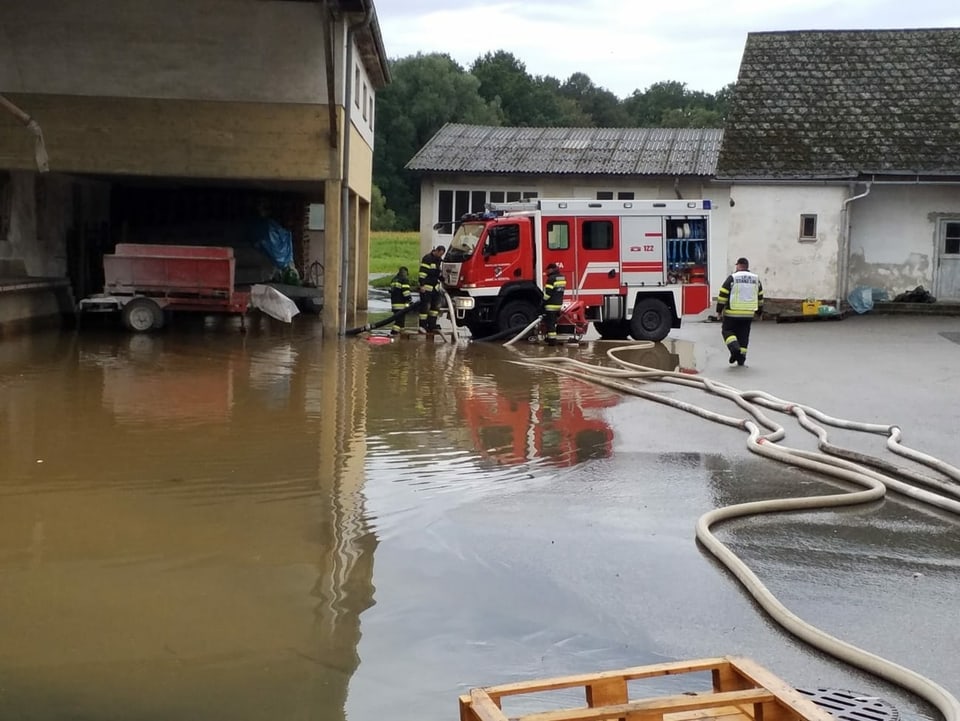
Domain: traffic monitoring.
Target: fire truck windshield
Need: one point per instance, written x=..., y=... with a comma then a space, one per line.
x=465, y=241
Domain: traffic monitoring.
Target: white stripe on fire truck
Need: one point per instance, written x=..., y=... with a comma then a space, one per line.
x=636, y=266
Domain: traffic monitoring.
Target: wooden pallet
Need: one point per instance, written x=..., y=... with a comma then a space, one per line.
x=741, y=691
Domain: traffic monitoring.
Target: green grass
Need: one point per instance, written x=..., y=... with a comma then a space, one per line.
x=391, y=249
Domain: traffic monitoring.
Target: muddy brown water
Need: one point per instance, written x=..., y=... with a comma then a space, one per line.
x=204, y=524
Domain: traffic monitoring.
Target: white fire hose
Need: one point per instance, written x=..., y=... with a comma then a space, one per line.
x=628, y=377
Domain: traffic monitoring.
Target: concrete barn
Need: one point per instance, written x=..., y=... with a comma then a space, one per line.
x=182, y=122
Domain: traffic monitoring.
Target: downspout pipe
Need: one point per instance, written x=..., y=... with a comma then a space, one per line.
x=348, y=91
x=39, y=148
x=843, y=259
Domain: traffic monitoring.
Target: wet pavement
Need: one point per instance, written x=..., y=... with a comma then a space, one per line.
x=270, y=525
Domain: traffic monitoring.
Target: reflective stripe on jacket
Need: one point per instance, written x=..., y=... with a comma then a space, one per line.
x=741, y=293
x=429, y=275
x=400, y=294
x=553, y=291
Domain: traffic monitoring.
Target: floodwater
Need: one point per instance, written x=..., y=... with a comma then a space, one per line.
x=204, y=524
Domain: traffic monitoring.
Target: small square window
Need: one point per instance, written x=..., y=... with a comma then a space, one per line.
x=951, y=238
x=808, y=227
x=625, y=195
x=558, y=235
x=604, y=195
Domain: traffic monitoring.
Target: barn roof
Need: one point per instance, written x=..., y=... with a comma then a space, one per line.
x=841, y=104
x=576, y=151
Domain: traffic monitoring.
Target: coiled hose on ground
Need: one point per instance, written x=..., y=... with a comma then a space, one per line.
x=832, y=461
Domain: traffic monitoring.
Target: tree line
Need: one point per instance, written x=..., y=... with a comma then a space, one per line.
x=430, y=90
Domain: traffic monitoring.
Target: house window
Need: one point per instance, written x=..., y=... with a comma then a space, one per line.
x=371, y=111
x=558, y=235
x=620, y=195
x=625, y=196
x=808, y=226
x=604, y=195
x=452, y=204
x=364, y=101
x=597, y=235
x=356, y=84
x=951, y=238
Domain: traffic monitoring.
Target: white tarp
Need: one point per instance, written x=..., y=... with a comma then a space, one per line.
x=272, y=302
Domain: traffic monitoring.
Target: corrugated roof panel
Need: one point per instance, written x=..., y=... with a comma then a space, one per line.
x=609, y=151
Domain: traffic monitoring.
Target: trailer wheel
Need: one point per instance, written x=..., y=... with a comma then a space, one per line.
x=141, y=315
x=516, y=314
x=651, y=320
x=613, y=329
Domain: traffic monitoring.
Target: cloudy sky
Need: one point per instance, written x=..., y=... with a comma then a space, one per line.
x=626, y=45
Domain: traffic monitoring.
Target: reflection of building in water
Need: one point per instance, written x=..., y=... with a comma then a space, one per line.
x=555, y=418
x=164, y=571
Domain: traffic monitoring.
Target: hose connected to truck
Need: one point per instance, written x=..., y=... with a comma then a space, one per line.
x=831, y=460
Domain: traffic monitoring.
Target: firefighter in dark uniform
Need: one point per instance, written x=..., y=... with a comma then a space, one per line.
x=400, y=297
x=739, y=300
x=430, y=289
x=553, y=301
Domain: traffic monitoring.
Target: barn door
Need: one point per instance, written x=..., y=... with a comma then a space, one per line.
x=948, y=261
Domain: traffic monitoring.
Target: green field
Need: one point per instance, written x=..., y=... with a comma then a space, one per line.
x=389, y=250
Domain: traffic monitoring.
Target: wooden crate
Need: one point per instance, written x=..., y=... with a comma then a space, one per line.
x=742, y=691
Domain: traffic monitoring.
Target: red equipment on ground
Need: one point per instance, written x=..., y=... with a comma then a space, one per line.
x=142, y=281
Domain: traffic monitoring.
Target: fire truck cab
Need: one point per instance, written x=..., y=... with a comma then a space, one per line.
x=633, y=268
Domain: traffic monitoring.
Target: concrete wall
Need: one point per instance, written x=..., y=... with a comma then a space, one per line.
x=43, y=209
x=894, y=239
x=764, y=226
x=237, y=50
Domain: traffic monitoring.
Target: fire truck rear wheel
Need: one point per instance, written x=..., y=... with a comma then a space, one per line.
x=651, y=320
x=516, y=314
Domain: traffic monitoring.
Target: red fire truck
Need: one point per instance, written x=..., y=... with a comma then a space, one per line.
x=557, y=420
x=634, y=268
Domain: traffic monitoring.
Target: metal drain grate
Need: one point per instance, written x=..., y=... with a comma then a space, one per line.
x=851, y=706
x=951, y=335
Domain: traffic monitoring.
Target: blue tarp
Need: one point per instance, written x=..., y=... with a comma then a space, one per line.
x=274, y=241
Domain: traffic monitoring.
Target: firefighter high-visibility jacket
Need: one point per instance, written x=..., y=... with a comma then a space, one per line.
x=553, y=291
x=429, y=275
x=400, y=291
x=741, y=295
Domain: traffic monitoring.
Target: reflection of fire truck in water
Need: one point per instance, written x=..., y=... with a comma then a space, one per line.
x=556, y=419
x=633, y=268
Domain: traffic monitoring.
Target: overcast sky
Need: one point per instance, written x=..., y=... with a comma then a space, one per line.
x=627, y=45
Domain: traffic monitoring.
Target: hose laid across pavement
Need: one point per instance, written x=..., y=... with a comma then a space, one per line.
x=832, y=461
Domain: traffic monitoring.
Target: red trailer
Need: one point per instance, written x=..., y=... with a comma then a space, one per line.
x=142, y=281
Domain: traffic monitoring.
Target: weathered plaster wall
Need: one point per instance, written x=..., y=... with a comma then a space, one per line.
x=893, y=235
x=764, y=226
x=241, y=50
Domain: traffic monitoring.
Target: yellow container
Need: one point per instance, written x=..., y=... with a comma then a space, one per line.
x=811, y=307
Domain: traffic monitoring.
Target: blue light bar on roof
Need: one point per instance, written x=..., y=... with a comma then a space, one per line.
x=706, y=205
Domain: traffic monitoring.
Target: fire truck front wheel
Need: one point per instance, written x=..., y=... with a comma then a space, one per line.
x=516, y=314
x=651, y=320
